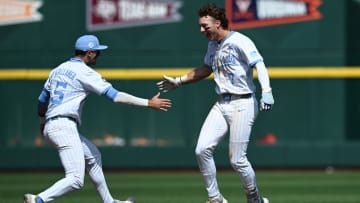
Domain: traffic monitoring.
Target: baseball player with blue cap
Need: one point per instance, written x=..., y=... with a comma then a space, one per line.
x=231, y=57
x=59, y=107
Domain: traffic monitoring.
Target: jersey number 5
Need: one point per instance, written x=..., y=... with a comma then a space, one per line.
x=59, y=95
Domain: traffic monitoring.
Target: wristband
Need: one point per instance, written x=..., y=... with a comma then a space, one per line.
x=180, y=80
x=266, y=89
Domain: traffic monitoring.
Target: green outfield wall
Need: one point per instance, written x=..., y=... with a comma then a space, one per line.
x=314, y=67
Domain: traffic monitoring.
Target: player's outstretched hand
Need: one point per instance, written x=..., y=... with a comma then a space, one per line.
x=159, y=103
x=168, y=83
x=266, y=101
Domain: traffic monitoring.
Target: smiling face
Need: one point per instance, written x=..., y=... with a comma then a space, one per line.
x=210, y=27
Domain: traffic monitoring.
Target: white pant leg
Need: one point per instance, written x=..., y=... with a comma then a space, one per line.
x=212, y=132
x=94, y=168
x=241, y=120
x=63, y=134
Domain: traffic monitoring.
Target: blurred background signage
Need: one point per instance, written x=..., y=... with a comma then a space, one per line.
x=110, y=14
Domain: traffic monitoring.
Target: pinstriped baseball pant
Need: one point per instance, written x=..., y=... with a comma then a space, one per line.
x=238, y=117
x=77, y=154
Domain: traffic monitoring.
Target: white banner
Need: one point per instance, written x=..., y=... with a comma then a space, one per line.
x=18, y=11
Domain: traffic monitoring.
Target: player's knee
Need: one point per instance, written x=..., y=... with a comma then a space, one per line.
x=93, y=159
x=76, y=182
x=204, y=152
x=239, y=163
x=96, y=159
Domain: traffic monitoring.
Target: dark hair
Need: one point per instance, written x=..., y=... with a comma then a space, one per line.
x=80, y=53
x=215, y=12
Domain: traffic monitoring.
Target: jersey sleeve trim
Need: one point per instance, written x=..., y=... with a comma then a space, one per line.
x=252, y=64
x=44, y=97
x=110, y=93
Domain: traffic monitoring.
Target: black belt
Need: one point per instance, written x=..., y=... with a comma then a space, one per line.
x=57, y=117
x=228, y=96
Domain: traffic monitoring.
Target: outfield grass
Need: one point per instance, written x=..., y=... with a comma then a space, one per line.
x=187, y=187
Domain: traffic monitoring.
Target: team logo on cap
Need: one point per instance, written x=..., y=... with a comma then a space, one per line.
x=256, y=13
x=91, y=45
x=110, y=14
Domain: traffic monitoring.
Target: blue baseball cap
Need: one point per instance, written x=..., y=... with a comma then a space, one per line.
x=89, y=43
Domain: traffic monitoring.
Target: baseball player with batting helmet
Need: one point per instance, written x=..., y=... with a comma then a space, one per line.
x=60, y=106
x=231, y=57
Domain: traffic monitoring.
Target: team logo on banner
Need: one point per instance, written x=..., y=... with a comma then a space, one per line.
x=256, y=13
x=19, y=11
x=110, y=14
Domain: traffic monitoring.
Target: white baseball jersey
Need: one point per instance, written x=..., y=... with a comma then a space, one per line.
x=232, y=63
x=68, y=85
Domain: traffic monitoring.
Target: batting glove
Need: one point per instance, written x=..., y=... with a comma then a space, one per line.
x=266, y=101
x=169, y=83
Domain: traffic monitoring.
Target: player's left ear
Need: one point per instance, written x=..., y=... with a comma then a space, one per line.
x=88, y=53
x=218, y=24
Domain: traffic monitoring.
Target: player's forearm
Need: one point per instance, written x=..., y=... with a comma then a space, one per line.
x=124, y=98
x=41, y=112
x=196, y=75
x=263, y=77
x=128, y=99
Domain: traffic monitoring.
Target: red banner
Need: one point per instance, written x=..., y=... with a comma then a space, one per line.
x=257, y=13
